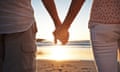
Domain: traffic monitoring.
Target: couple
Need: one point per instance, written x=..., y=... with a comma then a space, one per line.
x=104, y=25
x=18, y=29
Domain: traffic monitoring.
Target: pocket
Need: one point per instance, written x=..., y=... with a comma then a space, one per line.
x=28, y=47
x=28, y=41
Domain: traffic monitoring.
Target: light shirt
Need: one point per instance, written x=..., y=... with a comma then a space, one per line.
x=105, y=12
x=15, y=16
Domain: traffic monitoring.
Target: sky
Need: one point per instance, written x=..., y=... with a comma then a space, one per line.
x=79, y=28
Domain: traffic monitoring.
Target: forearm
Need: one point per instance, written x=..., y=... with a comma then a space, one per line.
x=73, y=11
x=51, y=8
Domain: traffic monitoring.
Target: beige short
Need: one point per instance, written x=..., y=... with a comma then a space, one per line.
x=17, y=51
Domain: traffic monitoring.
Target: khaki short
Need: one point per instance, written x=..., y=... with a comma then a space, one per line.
x=17, y=51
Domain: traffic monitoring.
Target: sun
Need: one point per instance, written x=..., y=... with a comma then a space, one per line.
x=59, y=53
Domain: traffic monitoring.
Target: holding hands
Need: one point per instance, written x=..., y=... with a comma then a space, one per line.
x=61, y=32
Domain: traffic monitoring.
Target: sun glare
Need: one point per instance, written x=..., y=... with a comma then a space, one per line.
x=62, y=53
x=59, y=53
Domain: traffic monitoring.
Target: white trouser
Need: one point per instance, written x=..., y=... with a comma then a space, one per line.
x=105, y=42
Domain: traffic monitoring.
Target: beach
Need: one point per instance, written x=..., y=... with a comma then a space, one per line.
x=65, y=66
x=76, y=56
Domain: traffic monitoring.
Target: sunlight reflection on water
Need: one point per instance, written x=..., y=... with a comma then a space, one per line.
x=67, y=52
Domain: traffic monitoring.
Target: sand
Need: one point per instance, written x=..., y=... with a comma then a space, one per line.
x=65, y=66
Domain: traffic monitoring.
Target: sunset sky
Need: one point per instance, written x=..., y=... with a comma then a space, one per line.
x=79, y=28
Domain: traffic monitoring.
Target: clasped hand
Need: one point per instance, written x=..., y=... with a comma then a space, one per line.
x=61, y=34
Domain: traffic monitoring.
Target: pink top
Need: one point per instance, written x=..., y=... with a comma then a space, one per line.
x=105, y=12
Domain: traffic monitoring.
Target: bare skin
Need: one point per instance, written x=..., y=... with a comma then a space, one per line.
x=62, y=29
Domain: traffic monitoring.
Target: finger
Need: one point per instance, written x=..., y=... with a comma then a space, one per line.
x=55, y=40
x=65, y=39
x=64, y=42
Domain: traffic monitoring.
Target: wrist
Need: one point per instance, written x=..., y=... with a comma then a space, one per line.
x=57, y=24
x=65, y=27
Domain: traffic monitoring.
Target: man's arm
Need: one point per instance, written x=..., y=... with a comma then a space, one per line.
x=73, y=11
x=51, y=8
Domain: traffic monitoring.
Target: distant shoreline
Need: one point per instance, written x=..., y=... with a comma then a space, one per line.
x=64, y=60
x=43, y=42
